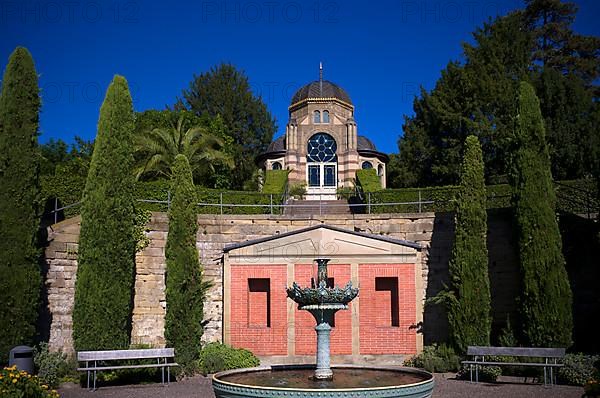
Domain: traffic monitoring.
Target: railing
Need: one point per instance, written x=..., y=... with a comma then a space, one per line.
x=569, y=199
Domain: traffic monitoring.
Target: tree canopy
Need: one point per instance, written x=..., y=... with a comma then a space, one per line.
x=157, y=147
x=225, y=91
x=476, y=96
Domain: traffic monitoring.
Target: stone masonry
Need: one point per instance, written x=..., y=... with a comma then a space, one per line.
x=434, y=230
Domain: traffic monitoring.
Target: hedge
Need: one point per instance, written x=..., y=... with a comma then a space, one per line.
x=576, y=196
x=275, y=182
x=368, y=180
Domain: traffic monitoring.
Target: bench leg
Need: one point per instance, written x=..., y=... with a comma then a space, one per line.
x=476, y=373
x=168, y=374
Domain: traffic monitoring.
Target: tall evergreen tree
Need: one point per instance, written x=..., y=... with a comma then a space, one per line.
x=556, y=45
x=476, y=96
x=185, y=289
x=546, y=299
x=106, y=269
x=469, y=310
x=225, y=91
x=20, y=278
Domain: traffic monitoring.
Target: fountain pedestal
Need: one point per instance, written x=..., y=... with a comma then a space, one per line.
x=351, y=381
x=322, y=302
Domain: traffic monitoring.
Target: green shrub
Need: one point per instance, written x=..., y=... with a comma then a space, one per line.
x=20, y=384
x=54, y=367
x=216, y=357
x=368, y=180
x=435, y=358
x=20, y=277
x=106, y=270
x=275, y=181
x=486, y=373
x=579, y=369
x=297, y=190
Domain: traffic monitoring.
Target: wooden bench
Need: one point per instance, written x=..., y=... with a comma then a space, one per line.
x=96, y=361
x=551, y=356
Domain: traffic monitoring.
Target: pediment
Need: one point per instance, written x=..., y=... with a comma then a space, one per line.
x=322, y=241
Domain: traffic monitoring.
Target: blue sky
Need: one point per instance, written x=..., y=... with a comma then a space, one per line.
x=379, y=51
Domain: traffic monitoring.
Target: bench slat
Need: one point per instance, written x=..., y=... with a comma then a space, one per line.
x=113, y=355
x=517, y=351
x=154, y=365
x=541, y=364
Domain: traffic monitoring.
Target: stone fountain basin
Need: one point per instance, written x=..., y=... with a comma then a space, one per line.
x=238, y=383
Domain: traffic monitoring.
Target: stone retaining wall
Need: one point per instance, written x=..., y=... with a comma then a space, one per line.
x=434, y=231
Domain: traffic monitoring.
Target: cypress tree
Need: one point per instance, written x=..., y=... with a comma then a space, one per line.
x=20, y=278
x=470, y=302
x=105, y=274
x=185, y=290
x=546, y=298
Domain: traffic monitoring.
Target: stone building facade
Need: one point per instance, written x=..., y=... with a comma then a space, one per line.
x=321, y=146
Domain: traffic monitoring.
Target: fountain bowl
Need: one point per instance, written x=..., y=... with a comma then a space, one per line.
x=291, y=381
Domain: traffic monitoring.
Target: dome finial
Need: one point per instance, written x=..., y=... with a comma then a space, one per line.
x=321, y=79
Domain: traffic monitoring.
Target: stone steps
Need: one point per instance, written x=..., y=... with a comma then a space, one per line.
x=317, y=208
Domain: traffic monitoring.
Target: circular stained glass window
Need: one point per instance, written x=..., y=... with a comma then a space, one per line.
x=321, y=148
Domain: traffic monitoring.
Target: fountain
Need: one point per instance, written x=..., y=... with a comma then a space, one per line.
x=310, y=381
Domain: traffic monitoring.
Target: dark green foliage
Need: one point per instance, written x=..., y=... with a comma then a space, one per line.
x=106, y=261
x=60, y=158
x=579, y=369
x=275, y=181
x=468, y=297
x=435, y=358
x=216, y=357
x=545, y=306
x=184, y=286
x=368, y=180
x=20, y=278
x=187, y=134
x=225, y=91
x=476, y=96
x=53, y=367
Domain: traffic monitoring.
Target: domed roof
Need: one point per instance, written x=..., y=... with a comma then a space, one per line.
x=364, y=144
x=321, y=89
x=277, y=145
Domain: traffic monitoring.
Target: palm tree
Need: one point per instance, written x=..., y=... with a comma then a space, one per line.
x=156, y=149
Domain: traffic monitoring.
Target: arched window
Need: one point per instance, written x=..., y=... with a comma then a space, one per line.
x=325, y=116
x=321, y=148
x=380, y=170
x=367, y=165
x=276, y=166
x=317, y=117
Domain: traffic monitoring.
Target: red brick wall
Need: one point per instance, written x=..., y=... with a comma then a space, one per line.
x=341, y=335
x=375, y=338
x=248, y=310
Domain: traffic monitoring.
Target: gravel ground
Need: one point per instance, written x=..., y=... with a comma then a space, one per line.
x=446, y=386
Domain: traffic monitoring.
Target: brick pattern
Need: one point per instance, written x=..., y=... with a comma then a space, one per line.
x=341, y=335
x=377, y=339
x=244, y=332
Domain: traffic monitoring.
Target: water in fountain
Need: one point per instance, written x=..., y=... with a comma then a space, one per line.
x=307, y=381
